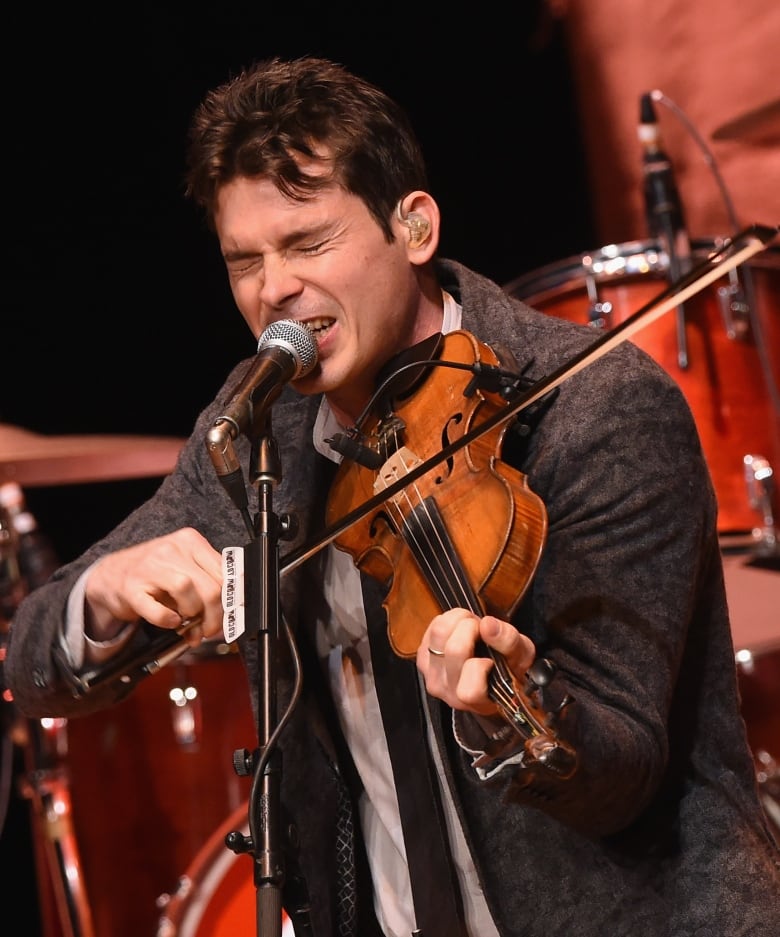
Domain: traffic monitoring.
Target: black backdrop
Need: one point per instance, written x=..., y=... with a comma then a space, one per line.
x=117, y=317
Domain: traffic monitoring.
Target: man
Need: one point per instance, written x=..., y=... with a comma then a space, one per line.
x=626, y=802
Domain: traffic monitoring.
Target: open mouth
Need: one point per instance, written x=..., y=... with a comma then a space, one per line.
x=318, y=327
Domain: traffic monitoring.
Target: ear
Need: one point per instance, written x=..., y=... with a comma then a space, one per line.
x=418, y=219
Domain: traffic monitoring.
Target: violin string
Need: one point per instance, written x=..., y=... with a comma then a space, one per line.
x=448, y=581
x=450, y=584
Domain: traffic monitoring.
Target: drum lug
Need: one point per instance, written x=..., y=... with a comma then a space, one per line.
x=165, y=926
x=768, y=777
x=182, y=890
x=734, y=308
x=759, y=480
x=599, y=313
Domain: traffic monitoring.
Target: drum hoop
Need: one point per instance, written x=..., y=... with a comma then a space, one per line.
x=611, y=263
x=208, y=871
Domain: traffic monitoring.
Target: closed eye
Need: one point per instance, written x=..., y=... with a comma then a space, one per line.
x=312, y=248
x=239, y=266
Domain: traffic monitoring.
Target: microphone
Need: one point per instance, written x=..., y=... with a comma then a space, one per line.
x=662, y=200
x=285, y=351
x=663, y=206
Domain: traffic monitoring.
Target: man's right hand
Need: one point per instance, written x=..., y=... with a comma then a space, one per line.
x=164, y=581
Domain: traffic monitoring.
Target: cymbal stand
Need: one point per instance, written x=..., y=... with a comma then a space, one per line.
x=46, y=785
x=44, y=781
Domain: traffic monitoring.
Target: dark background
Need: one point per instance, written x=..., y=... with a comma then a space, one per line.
x=118, y=318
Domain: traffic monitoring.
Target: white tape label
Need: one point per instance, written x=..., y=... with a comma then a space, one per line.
x=232, y=593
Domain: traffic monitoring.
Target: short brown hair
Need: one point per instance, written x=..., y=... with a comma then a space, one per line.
x=253, y=124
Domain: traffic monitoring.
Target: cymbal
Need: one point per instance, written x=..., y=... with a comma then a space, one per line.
x=760, y=125
x=33, y=459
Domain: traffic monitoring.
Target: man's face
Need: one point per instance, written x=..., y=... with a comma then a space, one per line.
x=323, y=262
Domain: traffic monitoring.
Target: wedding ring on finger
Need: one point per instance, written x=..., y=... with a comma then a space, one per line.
x=434, y=653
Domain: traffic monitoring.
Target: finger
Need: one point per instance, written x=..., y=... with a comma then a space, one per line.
x=453, y=631
x=461, y=687
x=202, y=552
x=194, y=594
x=162, y=581
x=517, y=650
x=207, y=580
x=450, y=638
x=472, y=689
x=192, y=632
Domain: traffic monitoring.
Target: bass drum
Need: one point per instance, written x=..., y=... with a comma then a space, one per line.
x=732, y=373
x=150, y=779
x=216, y=896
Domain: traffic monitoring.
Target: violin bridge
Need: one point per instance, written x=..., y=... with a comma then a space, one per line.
x=400, y=463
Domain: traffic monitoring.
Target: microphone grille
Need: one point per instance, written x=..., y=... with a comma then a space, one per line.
x=296, y=338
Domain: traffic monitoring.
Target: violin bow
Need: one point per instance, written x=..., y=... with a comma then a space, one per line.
x=734, y=252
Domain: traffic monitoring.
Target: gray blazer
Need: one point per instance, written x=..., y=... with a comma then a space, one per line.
x=660, y=832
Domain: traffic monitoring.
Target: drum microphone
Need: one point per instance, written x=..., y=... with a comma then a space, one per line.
x=663, y=207
x=662, y=199
x=285, y=351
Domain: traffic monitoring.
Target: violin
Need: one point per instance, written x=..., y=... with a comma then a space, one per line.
x=469, y=533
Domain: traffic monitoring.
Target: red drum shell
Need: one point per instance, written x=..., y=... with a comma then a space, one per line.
x=151, y=779
x=731, y=383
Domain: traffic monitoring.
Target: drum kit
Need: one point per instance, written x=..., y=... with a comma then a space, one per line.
x=130, y=807
x=723, y=349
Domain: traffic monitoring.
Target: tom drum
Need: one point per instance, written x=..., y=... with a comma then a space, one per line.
x=723, y=349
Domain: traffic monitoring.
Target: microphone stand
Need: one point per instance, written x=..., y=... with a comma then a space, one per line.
x=263, y=614
x=665, y=216
x=674, y=238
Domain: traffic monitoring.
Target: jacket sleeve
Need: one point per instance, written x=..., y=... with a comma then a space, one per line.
x=37, y=668
x=631, y=546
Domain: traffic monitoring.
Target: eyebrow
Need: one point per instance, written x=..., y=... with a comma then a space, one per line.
x=232, y=256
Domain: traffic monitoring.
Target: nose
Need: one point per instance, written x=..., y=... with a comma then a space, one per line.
x=279, y=283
